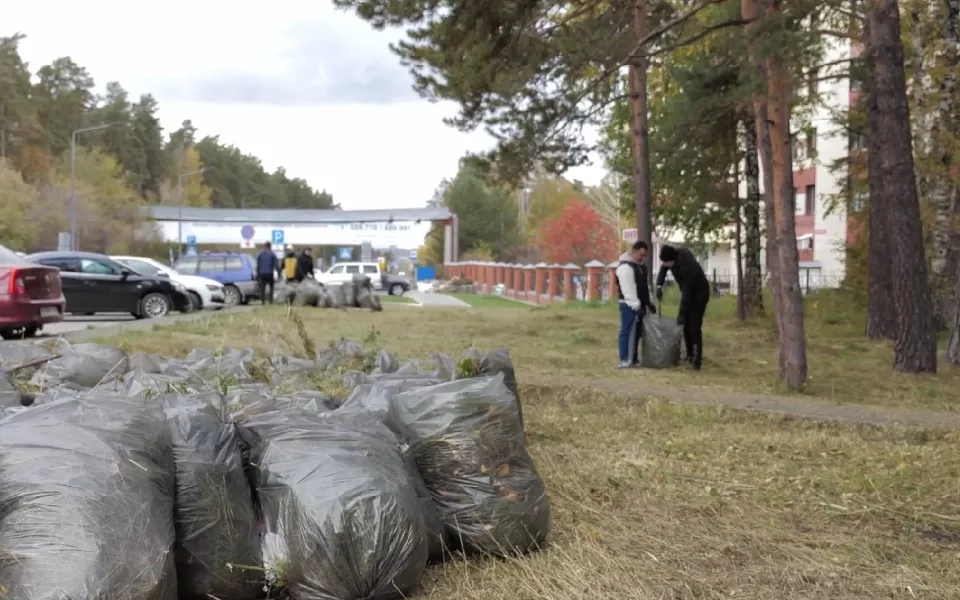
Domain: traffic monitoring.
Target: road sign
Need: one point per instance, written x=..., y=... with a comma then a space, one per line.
x=247, y=244
x=247, y=232
x=191, y=240
x=276, y=236
x=413, y=255
x=346, y=253
x=191, y=250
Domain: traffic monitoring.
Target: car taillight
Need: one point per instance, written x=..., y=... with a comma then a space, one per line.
x=16, y=286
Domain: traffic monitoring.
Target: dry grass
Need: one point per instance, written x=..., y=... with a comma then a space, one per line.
x=656, y=501
x=680, y=503
x=581, y=340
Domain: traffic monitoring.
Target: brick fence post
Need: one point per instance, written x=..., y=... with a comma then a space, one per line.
x=569, y=291
x=541, y=281
x=594, y=272
x=552, y=283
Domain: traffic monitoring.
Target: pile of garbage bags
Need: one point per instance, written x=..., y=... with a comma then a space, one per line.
x=145, y=477
x=357, y=293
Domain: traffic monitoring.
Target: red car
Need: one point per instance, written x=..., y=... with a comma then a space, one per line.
x=30, y=296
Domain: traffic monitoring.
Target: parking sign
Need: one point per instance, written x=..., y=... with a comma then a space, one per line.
x=276, y=236
x=191, y=240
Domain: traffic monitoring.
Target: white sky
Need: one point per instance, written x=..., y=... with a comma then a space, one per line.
x=294, y=82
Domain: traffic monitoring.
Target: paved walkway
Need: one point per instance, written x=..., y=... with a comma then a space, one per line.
x=433, y=299
x=806, y=407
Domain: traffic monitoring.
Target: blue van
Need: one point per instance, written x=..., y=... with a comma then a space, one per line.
x=236, y=271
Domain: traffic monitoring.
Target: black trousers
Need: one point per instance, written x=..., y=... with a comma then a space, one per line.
x=693, y=327
x=264, y=283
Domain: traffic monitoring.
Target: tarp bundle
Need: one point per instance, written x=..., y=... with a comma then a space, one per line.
x=467, y=440
x=660, y=342
x=343, y=521
x=218, y=537
x=86, y=502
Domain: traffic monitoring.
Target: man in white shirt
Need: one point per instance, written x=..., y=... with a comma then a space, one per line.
x=634, y=295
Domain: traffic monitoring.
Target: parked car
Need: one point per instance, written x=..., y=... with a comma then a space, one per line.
x=94, y=283
x=237, y=273
x=204, y=292
x=344, y=272
x=31, y=296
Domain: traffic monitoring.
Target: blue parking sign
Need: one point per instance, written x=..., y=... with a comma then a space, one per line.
x=191, y=240
x=276, y=236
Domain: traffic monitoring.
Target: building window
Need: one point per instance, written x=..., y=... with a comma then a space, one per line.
x=858, y=140
x=812, y=142
x=805, y=242
x=810, y=201
x=804, y=145
x=800, y=205
x=859, y=201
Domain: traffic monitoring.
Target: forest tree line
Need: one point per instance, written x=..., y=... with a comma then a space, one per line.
x=124, y=161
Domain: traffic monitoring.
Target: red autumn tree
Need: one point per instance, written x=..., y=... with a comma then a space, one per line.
x=578, y=235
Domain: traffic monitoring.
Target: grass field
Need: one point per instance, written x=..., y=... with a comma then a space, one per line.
x=486, y=301
x=387, y=299
x=580, y=341
x=653, y=500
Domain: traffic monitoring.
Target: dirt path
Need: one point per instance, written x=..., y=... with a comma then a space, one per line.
x=796, y=406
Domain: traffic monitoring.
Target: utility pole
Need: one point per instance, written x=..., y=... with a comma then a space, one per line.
x=180, y=210
x=74, y=229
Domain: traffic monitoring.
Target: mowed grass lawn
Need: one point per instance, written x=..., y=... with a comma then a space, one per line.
x=659, y=501
x=580, y=341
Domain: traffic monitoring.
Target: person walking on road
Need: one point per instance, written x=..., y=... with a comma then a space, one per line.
x=304, y=265
x=268, y=267
x=634, y=295
x=694, y=296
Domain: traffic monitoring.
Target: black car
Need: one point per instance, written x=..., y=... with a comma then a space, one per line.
x=94, y=283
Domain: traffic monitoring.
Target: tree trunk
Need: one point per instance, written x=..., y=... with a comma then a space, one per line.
x=943, y=191
x=952, y=355
x=793, y=346
x=741, y=293
x=915, y=349
x=638, y=121
x=752, y=273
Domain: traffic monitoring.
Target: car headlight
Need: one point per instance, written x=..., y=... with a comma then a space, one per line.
x=213, y=287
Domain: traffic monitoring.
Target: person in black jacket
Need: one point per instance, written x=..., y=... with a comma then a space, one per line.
x=694, y=296
x=304, y=265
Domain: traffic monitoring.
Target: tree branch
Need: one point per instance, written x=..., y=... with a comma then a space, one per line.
x=704, y=33
x=834, y=33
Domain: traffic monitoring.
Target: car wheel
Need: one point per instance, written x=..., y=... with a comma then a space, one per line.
x=154, y=306
x=231, y=295
x=196, y=303
x=396, y=290
x=19, y=333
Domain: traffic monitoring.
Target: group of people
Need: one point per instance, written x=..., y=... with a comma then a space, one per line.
x=293, y=268
x=634, y=294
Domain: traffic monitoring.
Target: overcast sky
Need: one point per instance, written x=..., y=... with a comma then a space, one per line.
x=293, y=82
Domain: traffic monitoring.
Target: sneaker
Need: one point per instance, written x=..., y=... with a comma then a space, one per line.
x=625, y=365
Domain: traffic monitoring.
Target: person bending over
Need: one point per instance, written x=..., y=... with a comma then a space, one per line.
x=304, y=265
x=694, y=295
x=634, y=296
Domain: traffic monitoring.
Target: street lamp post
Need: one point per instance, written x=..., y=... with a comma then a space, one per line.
x=74, y=229
x=180, y=210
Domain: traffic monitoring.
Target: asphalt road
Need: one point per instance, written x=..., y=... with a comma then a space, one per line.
x=76, y=326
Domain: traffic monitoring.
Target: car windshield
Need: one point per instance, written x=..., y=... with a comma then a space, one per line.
x=143, y=267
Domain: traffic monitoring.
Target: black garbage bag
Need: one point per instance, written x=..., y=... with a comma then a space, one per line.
x=386, y=363
x=308, y=293
x=218, y=532
x=468, y=442
x=349, y=295
x=82, y=366
x=660, y=342
x=14, y=354
x=341, y=515
x=373, y=400
x=338, y=296
x=364, y=294
x=493, y=363
x=325, y=299
x=86, y=502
